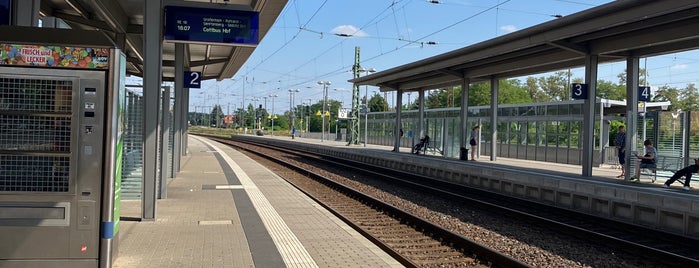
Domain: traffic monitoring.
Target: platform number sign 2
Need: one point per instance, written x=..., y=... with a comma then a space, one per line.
x=192, y=80
x=578, y=91
x=643, y=93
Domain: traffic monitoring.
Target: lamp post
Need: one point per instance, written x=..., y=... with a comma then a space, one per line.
x=272, y=96
x=325, y=85
x=291, y=106
x=675, y=115
x=308, y=115
x=366, y=103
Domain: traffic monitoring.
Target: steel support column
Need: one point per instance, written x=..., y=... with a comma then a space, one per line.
x=632, y=70
x=25, y=13
x=463, y=141
x=164, y=141
x=180, y=110
x=588, y=146
x=185, y=120
x=421, y=109
x=396, y=130
x=152, y=38
x=494, y=117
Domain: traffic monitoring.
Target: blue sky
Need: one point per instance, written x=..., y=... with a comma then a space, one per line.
x=306, y=44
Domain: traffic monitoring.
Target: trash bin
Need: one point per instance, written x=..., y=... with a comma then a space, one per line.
x=463, y=155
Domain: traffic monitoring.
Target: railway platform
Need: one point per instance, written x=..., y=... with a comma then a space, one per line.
x=643, y=203
x=225, y=210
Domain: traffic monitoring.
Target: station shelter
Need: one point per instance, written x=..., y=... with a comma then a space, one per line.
x=613, y=32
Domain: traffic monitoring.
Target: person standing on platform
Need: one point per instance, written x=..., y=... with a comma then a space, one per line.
x=647, y=160
x=687, y=172
x=474, y=141
x=621, y=150
x=293, y=133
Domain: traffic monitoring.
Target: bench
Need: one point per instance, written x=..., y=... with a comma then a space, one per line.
x=665, y=167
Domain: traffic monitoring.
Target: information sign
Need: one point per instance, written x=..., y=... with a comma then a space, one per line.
x=578, y=91
x=192, y=79
x=643, y=93
x=342, y=113
x=207, y=25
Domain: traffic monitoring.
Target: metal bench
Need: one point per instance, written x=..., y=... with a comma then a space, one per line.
x=665, y=167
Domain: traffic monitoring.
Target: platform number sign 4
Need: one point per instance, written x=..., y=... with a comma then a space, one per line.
x=644, y=93
x=192, y=80
x=578, y=91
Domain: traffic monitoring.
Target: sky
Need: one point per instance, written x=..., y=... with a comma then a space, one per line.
x=315, y=40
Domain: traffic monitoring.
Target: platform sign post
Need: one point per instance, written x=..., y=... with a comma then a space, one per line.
x=644, y=93
x=578, y=91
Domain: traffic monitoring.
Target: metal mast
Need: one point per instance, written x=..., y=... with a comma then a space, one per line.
x=354, y=116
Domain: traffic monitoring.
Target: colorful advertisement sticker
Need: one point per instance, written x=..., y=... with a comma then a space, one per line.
x=54, y=56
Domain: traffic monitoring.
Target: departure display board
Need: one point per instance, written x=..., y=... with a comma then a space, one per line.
x=206, y=25
x=5, y=12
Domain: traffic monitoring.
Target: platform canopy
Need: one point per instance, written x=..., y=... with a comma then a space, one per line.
x=122, y=22
x=614, y=31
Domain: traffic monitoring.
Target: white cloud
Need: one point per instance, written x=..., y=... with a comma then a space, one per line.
x=508, y=28
x=349, y=30
x=680, y=67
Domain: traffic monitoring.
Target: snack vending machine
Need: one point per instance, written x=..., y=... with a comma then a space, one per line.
x=60, y=157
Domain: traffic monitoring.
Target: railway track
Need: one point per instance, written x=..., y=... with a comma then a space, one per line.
x=412, y=241
x=668, y=250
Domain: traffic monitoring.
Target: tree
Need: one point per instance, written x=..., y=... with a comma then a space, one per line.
x=689, y=98
x=511, y=91
x=642, y=75
x=377, y=103
x=667, y=93
x=216, y=116
x=608, y=90
x=479, y=94
x=532, y=89
x=556, y=85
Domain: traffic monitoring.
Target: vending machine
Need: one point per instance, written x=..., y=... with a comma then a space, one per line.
x=60, y=156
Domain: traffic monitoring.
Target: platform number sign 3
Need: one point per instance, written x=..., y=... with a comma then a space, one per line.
x=192, y=80
x=578, y=91
x=643, y=93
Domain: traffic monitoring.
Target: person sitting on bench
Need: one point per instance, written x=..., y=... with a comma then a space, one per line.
x=687, y=172
x=647, y=160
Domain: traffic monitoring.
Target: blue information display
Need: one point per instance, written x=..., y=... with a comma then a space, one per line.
x=206, y=25
x=4, y=12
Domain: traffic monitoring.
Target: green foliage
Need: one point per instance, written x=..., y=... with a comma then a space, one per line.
x=377, y=103
x=689, y=98
x=479, y=94
x=556, y=86
x=531, y=88
x=608, y=90
x=216, y=116
x=512, y=91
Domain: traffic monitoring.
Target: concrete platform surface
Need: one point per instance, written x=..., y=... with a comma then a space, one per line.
x=225, y=210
